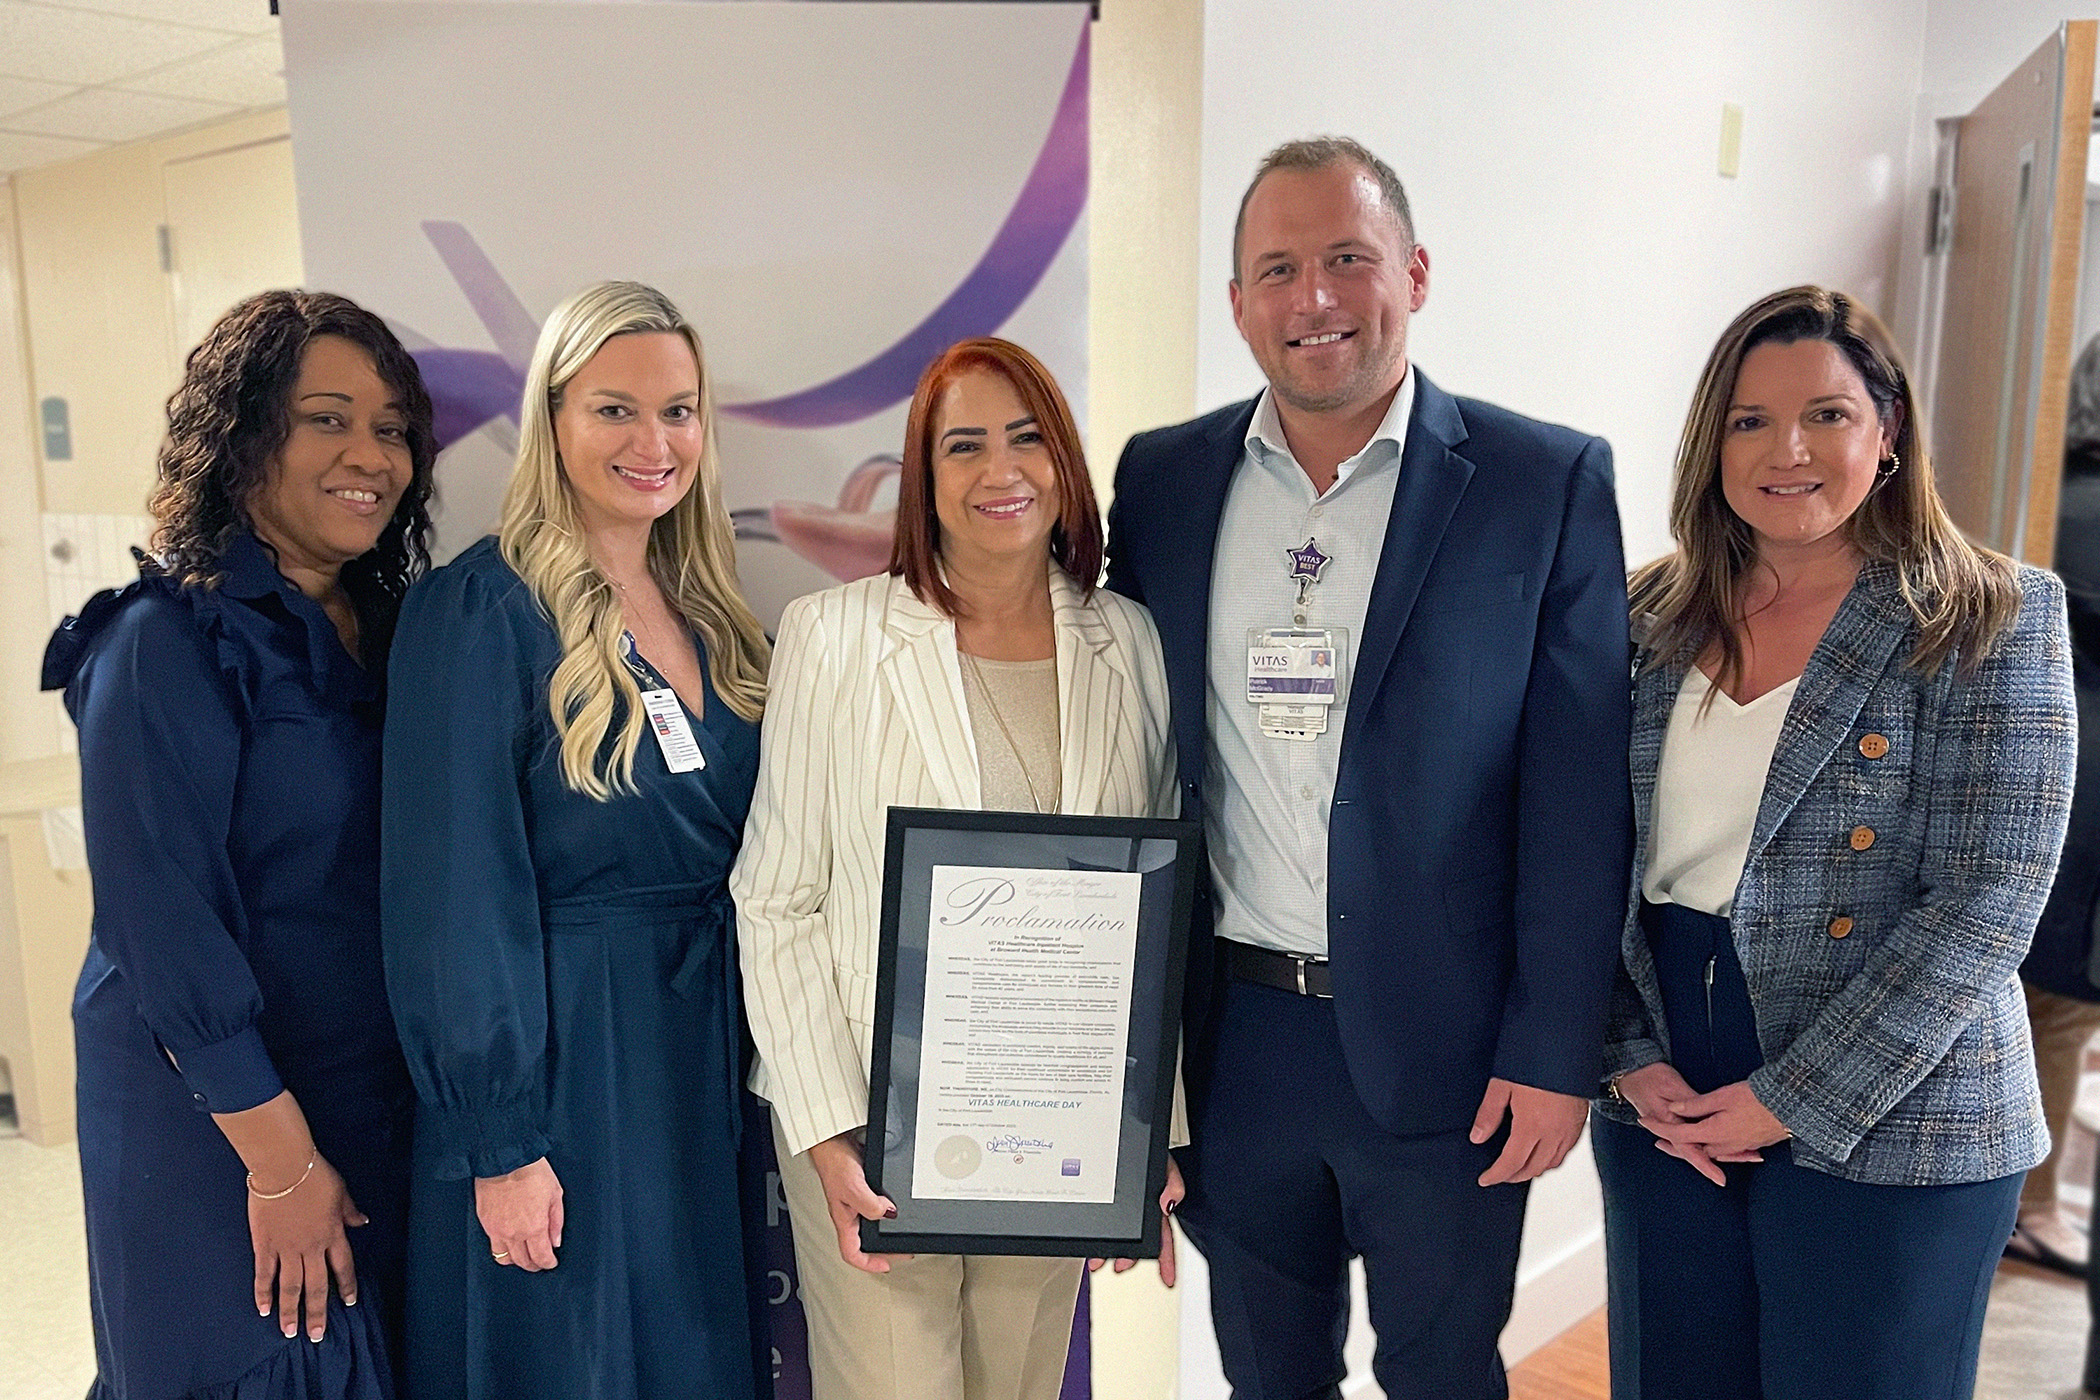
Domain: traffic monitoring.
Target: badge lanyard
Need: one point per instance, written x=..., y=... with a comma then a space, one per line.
x=1292, y=671
x=667, y=721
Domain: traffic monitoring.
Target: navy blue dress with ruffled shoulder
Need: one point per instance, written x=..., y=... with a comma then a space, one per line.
x=564, y=975
x=229, y=775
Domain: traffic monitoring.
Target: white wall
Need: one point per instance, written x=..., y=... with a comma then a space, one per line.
x=1971, y=44
x=1584, y=251
x=1141, y=231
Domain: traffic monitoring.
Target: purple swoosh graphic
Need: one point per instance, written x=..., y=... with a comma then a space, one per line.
x=473, y=387
x=514, y=329
x=1042, y=217
x=467, y=389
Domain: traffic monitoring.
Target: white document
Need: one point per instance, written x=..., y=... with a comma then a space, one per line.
x=1027, y=1022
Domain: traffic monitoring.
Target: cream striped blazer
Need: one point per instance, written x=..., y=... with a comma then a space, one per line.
x=867, y=713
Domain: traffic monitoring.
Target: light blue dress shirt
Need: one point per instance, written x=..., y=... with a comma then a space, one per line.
x=1268, y=800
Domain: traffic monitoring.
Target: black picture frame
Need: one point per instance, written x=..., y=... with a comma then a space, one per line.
x=1167, y=854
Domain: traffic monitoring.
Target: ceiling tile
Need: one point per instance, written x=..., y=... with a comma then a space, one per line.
x=18, y=93
x=106, y=114
x=247, y=73
x=22, y=152
x=76, y=46
x=232, y=16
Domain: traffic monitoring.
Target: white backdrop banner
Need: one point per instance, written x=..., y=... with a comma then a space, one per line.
x=833, y=192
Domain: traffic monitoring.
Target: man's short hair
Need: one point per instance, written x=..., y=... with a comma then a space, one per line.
x=1318, y=153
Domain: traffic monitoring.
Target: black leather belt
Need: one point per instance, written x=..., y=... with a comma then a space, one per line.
x=1289, y=972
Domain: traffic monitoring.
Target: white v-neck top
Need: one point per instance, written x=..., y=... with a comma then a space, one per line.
x=1708, y=787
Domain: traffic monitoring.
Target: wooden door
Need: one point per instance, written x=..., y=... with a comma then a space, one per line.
x=2012, y=298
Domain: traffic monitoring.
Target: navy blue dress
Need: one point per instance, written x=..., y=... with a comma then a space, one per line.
x=229, y=776
x=563, y=974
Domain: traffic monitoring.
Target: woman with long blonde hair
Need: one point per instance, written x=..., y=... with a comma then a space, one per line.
x=570, y=760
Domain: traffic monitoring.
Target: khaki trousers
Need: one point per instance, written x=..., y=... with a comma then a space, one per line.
x=935, y=1327
x=2062, y=1026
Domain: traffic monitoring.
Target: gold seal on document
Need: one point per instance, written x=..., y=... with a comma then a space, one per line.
x=957, y=1157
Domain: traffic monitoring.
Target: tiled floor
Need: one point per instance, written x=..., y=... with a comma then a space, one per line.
x=2033, y=1348
x=47, y=1351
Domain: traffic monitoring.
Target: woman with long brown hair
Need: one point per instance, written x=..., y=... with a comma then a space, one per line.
x=1852, y=758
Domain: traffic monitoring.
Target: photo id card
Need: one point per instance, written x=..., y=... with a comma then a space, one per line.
x=1293, y=676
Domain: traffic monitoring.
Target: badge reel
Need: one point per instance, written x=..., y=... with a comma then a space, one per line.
x=666, y=717
x=1293, y=673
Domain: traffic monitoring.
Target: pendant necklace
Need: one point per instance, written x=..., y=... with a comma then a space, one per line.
x=1035, y=798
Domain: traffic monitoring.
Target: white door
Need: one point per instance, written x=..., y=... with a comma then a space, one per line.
x=232, y=231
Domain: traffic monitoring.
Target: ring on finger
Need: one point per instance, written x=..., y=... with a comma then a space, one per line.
x=500, y=1255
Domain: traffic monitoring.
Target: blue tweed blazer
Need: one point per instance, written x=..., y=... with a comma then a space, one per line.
x=1885, y=980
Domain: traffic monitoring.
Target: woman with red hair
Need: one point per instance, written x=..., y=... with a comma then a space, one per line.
x=984, y=670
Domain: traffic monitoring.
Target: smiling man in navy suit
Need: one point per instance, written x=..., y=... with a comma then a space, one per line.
x=1395, y=634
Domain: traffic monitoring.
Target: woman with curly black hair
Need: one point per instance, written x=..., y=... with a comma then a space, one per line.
x=243, y=1104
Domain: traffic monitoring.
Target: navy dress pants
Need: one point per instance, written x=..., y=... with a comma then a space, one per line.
x=1788, y=1283
x=1293, y=1178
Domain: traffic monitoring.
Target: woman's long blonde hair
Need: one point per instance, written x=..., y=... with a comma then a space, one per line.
x=1961, y=596
x=692, y=552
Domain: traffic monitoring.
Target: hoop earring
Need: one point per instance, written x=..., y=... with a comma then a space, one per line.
x=1890, y=465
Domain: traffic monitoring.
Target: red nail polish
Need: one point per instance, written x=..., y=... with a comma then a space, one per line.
x=890, y=1214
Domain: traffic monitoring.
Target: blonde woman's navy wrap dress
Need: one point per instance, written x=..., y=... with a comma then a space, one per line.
x=229, y=778
x=563, y=974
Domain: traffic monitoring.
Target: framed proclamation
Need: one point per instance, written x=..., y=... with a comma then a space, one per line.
x=1027, y=1028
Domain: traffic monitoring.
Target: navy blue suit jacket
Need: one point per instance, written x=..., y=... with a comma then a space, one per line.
x=1479, y=833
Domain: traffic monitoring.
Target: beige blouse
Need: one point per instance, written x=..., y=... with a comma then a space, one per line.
x=1013, y=714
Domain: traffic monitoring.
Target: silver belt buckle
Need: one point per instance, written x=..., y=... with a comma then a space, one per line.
x=1300, y=964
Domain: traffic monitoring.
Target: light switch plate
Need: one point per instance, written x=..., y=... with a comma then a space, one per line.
x=1731, y=140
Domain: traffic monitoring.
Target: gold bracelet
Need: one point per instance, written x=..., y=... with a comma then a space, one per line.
x=280, y=1195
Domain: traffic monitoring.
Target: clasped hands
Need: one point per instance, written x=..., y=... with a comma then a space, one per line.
x=1705, y=1130
x=851, y=1200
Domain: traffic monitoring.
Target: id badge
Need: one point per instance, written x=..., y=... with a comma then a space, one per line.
x=1293, y=677
x=1293, y=721
x=674, y=734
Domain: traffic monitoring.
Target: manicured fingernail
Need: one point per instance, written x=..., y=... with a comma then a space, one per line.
x=890, y=1214
x=262, y=1311
x=349, y=1300
x=315, y=1335
x=291, y=1329
x=1171, y=1205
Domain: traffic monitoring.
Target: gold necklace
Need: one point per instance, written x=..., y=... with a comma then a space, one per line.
x=642, y=630
x=1035, y=798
